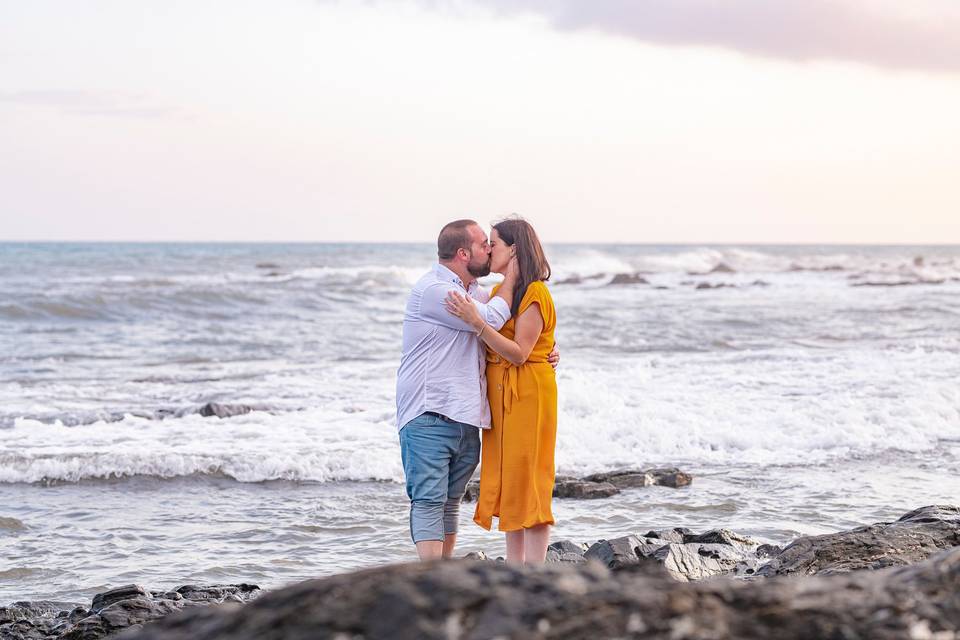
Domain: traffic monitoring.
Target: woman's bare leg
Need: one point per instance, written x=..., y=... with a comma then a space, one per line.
x=535, y=541
x=515, y=546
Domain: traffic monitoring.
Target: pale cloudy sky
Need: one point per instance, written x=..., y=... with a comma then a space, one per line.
x=602, y=120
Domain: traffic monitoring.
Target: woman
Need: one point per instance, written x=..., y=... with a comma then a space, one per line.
x=517, y=471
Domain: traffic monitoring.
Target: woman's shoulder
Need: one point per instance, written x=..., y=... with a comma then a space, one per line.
x=537, y=291
x=538, y=288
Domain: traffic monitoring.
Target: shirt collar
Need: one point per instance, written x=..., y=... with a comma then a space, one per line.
x=444, y=273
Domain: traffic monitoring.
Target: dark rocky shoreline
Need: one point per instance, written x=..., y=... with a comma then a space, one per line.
x=887, y=580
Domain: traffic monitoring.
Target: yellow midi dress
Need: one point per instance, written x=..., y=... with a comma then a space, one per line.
x=516, y=461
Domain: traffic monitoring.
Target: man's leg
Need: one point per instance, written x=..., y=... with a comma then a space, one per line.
x=449, y=543
x=462, y=466
x=427, y=444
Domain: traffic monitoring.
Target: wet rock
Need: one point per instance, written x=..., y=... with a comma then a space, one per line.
x=476, y=555
x=604, y=485
x=914, y=537
x=577, y=279
x=566, y=551
x=629, y=478
x=768, y=551
x=627, y=278
x=472, y=491
x=110, y=612
x=583, y=489
x=695, y=561
x=723, y=536
x=677, y=534
x=472, y=600
x=223, y=410
x=722, y=267
x=621, y=552
x=710, y=285
x=567, y=546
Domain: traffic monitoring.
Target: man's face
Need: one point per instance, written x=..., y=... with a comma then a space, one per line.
x=479, y=264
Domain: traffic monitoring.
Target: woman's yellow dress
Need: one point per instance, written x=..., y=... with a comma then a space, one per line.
x=516, y=468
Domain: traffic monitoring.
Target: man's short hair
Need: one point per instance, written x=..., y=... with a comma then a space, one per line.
x=453, y=237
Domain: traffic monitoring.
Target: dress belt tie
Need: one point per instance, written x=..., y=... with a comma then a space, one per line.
x=510, y=379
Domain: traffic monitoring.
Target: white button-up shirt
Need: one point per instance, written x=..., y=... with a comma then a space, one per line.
x=443, y=366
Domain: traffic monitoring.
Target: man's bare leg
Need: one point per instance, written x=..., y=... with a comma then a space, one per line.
x=430, y=549
x=449, y=542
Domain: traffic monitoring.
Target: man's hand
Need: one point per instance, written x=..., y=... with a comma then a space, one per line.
x=513, y=271
x=554, y=357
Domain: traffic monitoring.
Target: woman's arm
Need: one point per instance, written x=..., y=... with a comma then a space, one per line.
x=528, y=327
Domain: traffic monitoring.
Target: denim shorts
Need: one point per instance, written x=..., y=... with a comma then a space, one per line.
x=439, y=458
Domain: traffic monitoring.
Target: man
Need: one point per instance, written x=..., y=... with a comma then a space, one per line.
x=442, y=388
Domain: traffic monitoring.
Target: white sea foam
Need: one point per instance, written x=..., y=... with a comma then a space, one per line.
x=799, y=408
x=806, y=370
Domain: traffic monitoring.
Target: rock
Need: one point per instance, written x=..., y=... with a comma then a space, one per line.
x=627, y=278
x=912, y=538
x=722, y=267
x=107, y=598
x=566, y=551
x=603, y=485
x=472, y=492
x=722, y=536
x=223, y=410
x=768, y=551
x=473, y=600
x=621, y=552
x=267, y=265
x=129, y=606
x=476, y=555
x=677, y=534
x=574, y=279
x=570, y=558
x=694, y=561
x=629, y=478
x=584, y=490
x=710, y=285
x=566, y=546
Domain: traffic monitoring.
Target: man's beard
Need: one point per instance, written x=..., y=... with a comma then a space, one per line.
x=479, y=271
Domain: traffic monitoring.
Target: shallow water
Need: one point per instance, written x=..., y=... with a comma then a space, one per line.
x=815, y=391
x=72, y=540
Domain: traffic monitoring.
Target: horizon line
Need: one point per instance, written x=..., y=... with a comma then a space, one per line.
x=429, y=242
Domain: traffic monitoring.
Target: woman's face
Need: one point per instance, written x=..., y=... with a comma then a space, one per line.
x=499, y=253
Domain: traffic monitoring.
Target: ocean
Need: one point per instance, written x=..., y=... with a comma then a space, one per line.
x=807, y=389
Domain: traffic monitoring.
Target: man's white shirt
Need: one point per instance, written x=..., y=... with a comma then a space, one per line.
x=443, y=365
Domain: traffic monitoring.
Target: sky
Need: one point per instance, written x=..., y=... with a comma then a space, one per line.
x=661, y=121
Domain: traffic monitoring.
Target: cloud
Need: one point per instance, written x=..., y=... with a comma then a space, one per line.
x=908, y=34
x=91, y=103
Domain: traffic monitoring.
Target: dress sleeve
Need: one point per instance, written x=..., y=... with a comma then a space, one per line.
x=538, y=292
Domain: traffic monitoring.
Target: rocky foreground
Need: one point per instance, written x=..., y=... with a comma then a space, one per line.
x=883, y=581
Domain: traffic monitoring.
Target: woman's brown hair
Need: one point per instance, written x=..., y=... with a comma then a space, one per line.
x=517, y=232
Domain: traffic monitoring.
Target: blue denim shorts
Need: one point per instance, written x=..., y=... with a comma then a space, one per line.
x=439, y=458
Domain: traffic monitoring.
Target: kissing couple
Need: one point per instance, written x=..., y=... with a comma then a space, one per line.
x=477, y=361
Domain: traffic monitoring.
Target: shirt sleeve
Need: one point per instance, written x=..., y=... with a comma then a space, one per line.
x=432, y=308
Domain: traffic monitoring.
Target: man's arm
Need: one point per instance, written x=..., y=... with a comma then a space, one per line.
x=433, y=308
